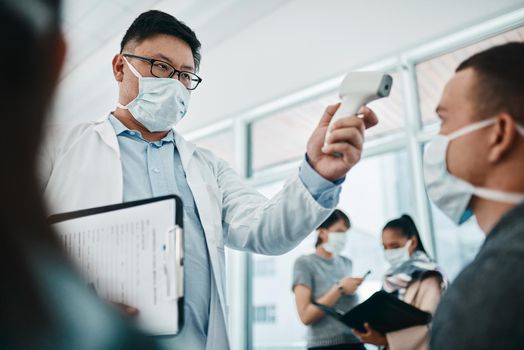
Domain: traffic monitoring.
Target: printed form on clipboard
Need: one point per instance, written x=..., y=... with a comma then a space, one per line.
x=132, y=253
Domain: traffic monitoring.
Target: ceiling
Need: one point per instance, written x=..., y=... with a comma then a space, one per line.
x=90, y=24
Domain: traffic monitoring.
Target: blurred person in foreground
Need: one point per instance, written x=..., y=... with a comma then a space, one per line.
x=43, y=303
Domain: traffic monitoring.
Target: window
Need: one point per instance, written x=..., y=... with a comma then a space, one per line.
x=456, y=245
x=433, y=75
x=222, y=145
x=287, y=329
x=264, y=314
x=377, y=190
x=264, y=267
x=283, y=137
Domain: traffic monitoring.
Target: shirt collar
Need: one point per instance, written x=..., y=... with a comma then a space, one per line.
x=122, y=130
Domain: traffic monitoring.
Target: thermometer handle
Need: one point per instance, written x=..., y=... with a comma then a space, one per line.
x=349, y=107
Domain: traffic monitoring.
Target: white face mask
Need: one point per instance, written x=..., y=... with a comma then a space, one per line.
x=160, y=104
x=336, y=242
x=451, y=194
x=395, y=257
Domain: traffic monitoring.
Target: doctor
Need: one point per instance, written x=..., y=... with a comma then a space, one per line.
x=134, y=153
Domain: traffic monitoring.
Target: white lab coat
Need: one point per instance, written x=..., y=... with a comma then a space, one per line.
x=84, y=171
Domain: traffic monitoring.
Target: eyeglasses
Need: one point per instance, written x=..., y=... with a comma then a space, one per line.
x=161, y=69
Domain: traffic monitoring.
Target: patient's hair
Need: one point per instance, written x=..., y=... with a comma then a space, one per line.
x=336, y=216
x=499, y=80
x=407, y=228
x=154, y=22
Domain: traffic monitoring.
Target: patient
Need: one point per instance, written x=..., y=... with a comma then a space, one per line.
x=43, y=304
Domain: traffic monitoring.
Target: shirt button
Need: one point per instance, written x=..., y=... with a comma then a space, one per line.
x=132, y=133
x=156, y=170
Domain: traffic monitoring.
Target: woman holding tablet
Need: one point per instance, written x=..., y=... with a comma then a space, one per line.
x=325, y=277
x=412, y=277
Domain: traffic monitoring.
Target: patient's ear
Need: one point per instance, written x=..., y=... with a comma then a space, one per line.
x=502, y=138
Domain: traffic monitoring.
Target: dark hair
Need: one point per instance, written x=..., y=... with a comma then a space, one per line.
x=29, y=36
x=335, y=217
x=500, y=75
x=407, y=228
x=154, y=22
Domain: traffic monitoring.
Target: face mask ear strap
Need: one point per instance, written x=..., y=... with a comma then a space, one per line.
x=133, y=69
x=135, y=72
x=471, y=128
x=499, y=196
x=121, y=106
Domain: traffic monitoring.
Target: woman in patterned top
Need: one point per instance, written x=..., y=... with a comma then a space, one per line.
x=412, y=277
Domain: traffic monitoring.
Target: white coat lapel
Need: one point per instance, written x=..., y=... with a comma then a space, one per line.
x=106, y=132
x=207, y=205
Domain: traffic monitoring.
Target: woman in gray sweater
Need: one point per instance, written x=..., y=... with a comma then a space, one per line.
x=325, y=278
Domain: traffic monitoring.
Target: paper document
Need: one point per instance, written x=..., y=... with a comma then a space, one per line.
x=131, y=255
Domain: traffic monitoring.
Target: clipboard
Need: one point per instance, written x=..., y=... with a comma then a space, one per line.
x=383, y=311
x=132, y=253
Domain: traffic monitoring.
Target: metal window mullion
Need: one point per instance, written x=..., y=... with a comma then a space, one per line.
x=415, y=152
x=240, y=263
x=249, y=307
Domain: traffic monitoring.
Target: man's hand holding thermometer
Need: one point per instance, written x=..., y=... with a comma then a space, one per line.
x=336, y=144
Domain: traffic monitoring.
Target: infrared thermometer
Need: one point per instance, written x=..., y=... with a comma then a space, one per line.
x=357, y=90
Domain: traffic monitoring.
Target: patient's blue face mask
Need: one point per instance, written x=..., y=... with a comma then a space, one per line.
x=451, y=194
x=160, y=104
